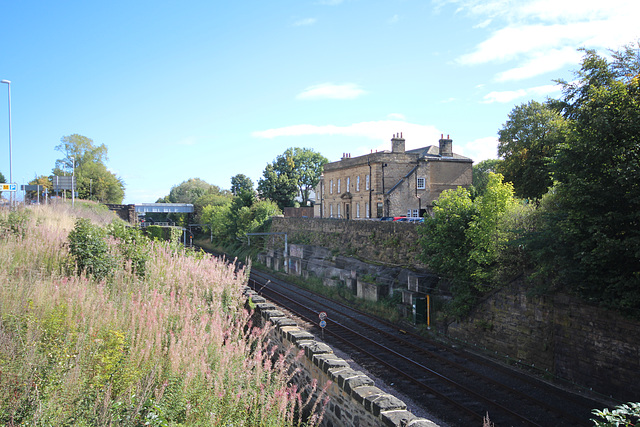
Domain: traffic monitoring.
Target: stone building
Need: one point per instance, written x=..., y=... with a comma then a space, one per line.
x=391, y=183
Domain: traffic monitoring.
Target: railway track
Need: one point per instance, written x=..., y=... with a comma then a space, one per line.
x=457, y=386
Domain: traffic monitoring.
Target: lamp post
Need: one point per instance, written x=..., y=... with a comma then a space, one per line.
x=8, y=83
x=73, y=182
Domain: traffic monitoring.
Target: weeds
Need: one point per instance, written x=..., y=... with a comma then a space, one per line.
x=172, y=346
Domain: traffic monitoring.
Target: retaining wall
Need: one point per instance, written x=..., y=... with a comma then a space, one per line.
x=353, y=399
x=388, y=242
x=583, y=344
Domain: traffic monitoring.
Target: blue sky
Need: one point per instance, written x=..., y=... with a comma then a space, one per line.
x=211, y=89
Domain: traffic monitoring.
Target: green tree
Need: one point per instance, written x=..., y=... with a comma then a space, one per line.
x=93, y=180
x=278, y=186
x=294, y=173
x=464, y=240
x=81, y=150
x=481, y=175
x=190, y=190
x=484, y=233
x=308, y=167
x=527, y=142
x=241, y=183
x=598, y=169
x=2, y=178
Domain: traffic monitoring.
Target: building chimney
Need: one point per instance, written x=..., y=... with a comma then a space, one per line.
x=446, y=147
x=397, y=143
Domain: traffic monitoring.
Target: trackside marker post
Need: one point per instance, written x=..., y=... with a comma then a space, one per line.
x=322, y=315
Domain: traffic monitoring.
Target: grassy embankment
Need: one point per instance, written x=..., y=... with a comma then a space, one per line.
x=171, y=346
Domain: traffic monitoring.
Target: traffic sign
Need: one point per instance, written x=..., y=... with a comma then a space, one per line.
x=8, y=187
x=323, y=323
x=322, y=315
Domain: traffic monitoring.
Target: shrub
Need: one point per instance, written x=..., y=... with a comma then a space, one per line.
x=90, y=251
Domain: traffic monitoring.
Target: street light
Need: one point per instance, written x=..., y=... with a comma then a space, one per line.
x=8, y=82
x=73, y=182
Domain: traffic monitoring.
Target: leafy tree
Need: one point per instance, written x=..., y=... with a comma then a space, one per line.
x=444, y=238
x=294, y=173
x=308, y=166
x=80, y=148
x=209, y=199
x=464, y=239
x=527, y=142
x=484, y=233
x=598, y=169
x=481, y=175
x=190, y=190
x=218, y=219
x=2, y=178
x=278, y=186
x=93, y=180
x=241, y=183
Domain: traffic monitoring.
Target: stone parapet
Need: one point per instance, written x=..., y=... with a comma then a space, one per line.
x=353, y=399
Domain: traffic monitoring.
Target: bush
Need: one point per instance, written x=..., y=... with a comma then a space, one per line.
x=90, y=251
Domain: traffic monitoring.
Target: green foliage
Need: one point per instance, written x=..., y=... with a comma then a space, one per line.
x=154, y=232
x=623, y=415
x=278, y=186
x=132, y=244
x=15, y=223
x=527, y=144
x=93, y=180
x=90, y=251
x=241, y=183
x=231, y=222
x=484, y=234
x=593, y=246
x=172, y=347
x=190, y=190
x=465, y=238
x=296, y=172
x=481, y=175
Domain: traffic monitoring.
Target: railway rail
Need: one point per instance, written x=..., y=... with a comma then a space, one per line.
x=457, y=386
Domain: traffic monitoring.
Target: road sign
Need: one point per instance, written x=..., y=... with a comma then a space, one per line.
x=63, y=183
x=323, y=323
x=8, y=187
x=322, y=315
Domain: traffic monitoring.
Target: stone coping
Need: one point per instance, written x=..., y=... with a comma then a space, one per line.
x=388, y=409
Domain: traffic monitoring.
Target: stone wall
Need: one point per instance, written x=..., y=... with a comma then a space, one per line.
x=386, y=242
x=571, y=340
x=353, y=399
x=560, y=334
x=125, y=212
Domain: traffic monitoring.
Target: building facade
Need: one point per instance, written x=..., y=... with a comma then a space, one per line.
x=391, y=183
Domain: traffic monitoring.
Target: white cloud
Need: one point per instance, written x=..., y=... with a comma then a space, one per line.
x=332, y=91
x=304, y=22
x=416, y=135
x=551, y=60
x=510, y=95
x=479, y=149
x=539, y=34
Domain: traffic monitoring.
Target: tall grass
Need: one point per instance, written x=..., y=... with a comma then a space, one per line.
x=174, y=347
